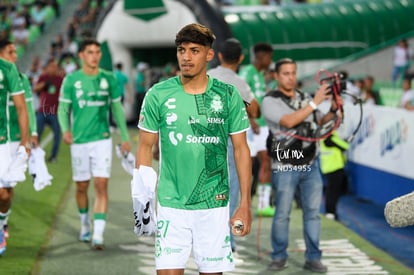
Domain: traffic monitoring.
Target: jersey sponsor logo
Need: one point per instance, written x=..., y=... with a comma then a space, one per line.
x=103, y=84
x=216, y=104
x=215, y=120
x=82, y=103
x=193, y=120
x=174, y=138
x=79, y=93
x=177, y=137
x=78, y=84
x=171, y=118
x=170, y=104
x=202, y=139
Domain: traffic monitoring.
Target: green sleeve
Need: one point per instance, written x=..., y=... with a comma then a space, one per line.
x=32, y=118
x=119, y=116
x=63, y=116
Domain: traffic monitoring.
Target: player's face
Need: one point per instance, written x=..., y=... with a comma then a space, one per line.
x=286, y=77
x=9, y=53
x=91, y=56
x=193, y=58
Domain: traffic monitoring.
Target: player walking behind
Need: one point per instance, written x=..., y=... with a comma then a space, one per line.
x=194, y=115
x=87, y=94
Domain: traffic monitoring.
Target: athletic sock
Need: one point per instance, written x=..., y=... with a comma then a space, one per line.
x=99, y=222
x=264, y=191
x=84, y=219
x=3, y=218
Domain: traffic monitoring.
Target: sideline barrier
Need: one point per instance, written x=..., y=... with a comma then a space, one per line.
x=380, y=155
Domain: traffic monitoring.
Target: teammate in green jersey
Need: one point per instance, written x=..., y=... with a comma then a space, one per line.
x=253, y=74
x=10, y=84
x=87, y=94
x=194, y=115
x=8, y=52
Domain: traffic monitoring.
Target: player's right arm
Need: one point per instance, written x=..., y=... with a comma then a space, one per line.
x=17, y=92
x=144, y=151
x=65, y=104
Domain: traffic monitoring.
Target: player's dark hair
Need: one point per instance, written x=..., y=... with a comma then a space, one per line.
x=195, y=33
x=262, y=47
x=87, y=42
x=281, y=62
x=231, y=50
x=4, y=43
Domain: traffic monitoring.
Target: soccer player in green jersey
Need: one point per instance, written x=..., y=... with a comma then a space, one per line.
x=88, y=94
x=253, y=74
x=8, y=52
x=194, y=115
x=10, y=84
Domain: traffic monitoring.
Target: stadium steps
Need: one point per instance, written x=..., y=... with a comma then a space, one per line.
x=41, y=41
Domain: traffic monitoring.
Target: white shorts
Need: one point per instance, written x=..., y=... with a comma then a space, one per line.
x=92, y=159
x=5, y=160
x=204, y=232
x=257, y=143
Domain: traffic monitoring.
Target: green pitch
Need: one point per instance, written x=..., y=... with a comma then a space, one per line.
x=44, y=228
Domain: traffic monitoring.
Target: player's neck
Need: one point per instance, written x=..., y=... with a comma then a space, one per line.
x=90, y=70
x=232, y=67
x=195, y=85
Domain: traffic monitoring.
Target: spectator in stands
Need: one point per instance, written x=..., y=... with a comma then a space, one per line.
x=55, y=5
x=401, y=61
x=68, y=62
x=407, y=99
x=34, y=72
x=370, y=96
x=21, y=35
x=38, y=14
x=72, y=29
x=5, y=24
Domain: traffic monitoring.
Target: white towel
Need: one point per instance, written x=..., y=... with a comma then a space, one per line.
x=127, y=160
x=17, y=168
x=143, y=185
x=38, y=169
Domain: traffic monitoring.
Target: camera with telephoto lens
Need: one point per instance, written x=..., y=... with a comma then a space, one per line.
x=337, y=83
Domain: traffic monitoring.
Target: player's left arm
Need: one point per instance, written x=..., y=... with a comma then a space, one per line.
x=20, y=104
x=244, y=172
x=119, y=116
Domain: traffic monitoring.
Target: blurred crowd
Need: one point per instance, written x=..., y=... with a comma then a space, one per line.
x=18, y=17
x=270, y=2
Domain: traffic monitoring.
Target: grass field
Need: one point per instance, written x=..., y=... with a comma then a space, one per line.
x=44, y=228
x=32, y=216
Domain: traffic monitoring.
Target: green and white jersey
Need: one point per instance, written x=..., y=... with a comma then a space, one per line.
x=10, y=84
x=13, y=117
x=90, y=97
x=257, y=84
x=193, y=134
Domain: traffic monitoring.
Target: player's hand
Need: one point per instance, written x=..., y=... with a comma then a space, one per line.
x=255, y=127
x=125, y=147
x=34, y=141
x=321, y=94
x=244, y=214
x=67, y=137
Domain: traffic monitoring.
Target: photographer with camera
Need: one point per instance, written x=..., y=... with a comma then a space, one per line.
x=294, y=121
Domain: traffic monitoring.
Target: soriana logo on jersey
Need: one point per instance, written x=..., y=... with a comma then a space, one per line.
x=175, y=138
